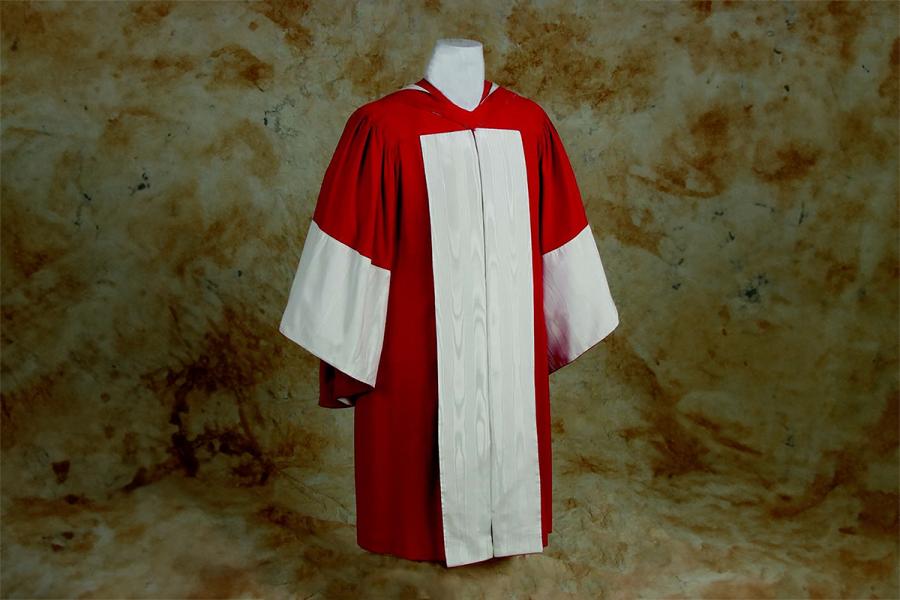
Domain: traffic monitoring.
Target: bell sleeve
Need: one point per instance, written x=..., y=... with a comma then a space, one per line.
x=579, y=310
x=337, y=304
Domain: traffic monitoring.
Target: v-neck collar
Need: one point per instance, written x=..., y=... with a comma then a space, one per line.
x=451, y=110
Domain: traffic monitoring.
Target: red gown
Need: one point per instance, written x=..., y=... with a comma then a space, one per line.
x=448, y=269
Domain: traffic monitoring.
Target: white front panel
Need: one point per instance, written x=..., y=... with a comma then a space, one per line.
x=516, y=485
x=483, y=285
x=578, y=307
x=337, y=306
x=457, y=250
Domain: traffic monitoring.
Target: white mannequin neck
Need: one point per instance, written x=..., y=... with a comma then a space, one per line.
x=456, y=68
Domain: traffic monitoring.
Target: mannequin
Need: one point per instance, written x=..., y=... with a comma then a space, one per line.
x=456, y=68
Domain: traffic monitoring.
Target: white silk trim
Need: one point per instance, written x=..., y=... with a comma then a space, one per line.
x=484, y=317
x=337, y=306
x=413, y=86
x=578, y=308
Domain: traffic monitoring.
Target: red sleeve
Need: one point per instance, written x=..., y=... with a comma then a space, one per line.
x=561, y=207
x=337, y=305
x=579, y=310
x=357, y=200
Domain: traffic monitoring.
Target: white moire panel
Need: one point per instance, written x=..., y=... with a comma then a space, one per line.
x=484, y=308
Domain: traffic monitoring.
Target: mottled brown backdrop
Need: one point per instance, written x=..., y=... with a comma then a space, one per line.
x=736, y=437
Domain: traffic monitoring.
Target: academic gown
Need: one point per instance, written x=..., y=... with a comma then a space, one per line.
x=448, y=269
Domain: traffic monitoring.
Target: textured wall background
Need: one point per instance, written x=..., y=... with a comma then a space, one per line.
x=736, y=437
